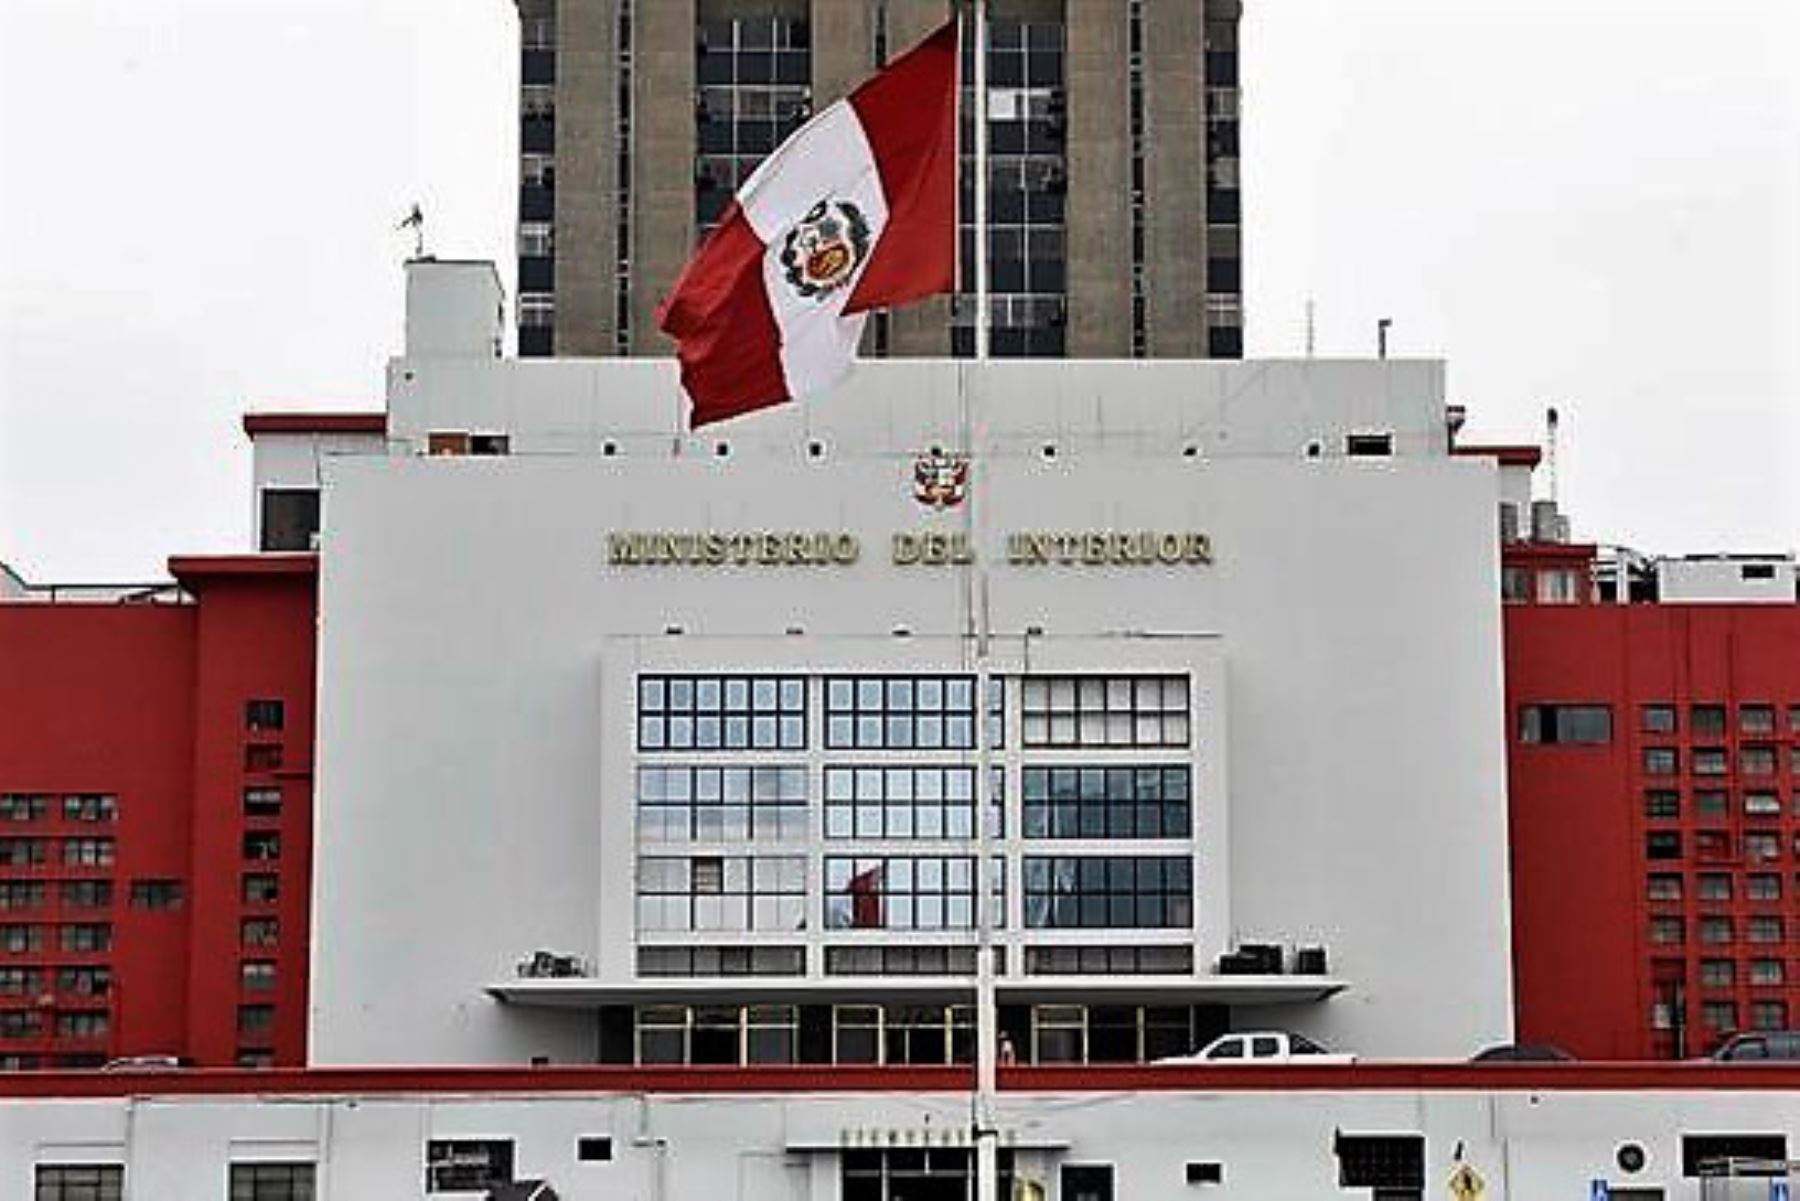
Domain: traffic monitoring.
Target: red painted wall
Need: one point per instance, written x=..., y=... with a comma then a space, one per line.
x=147, y=703
x=1588, y=974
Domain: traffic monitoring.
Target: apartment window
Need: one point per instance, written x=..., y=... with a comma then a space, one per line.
x=1762, y=847
x=1667, y=931
x=90, y=807
x=257, y=975
x=467, y=1165
x=21, y=1023
x=21, y=894
x=156, y=894
x=1766, y=972
x=265, y=716
x=82, y=1025
x=23, y=807
x=21, y=940
x=23, y=852
x=1709, y=761
x=1515, y=585
x=263, y=846
x=86, y=937
x=1756, y=760
x=537, y=239
x=84, y=981
x=689, y=962
x=290, y=519
x=1662, y=803
x=1762, y=803
x=1717, y=973
x=86, y=894
x=80, y=1182
x=1662, y=844
x=1719, y=1015
x=906, y=712
x=1768, y=1015
x=1382, y=1162
x=1657, y=719
x=684, y=803
x=1586, y=725
x=731, y=893
x=259, y=889
x=262, y=756
x=902, y=892
x=1109, y=892
x=1660, y=761
x=1711, y=802
x=262, y=802
x=271, y=1182
x=1558, y=587
x=1108, y=802
x=754, y=75
x=1713, y=886
x=255, y=1019
x=1756, y=719
x=905, y=802
x=710, y=713
x=87, y=852
x=1765, y=930
x=1715, y=931
x=1794, y=719
x=1712, y=844
x=255, y=1058
x=1664, y=887
x=1094, y=711
x=259, y=931
x=1763, y=886
x=1707, y=721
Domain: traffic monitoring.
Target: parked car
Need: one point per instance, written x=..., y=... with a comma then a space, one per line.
x=1524, y=1053
x=1761, y=1046
x=1262, y=1047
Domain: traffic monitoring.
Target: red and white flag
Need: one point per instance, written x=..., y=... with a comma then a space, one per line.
x=855, y=211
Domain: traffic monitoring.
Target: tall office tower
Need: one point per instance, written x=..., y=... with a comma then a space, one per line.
x=1114, y=202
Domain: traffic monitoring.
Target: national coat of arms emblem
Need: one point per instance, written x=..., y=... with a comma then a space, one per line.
x=940, y=481
x=823, y=250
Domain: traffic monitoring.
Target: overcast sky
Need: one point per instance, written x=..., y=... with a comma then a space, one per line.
x=1591, y=203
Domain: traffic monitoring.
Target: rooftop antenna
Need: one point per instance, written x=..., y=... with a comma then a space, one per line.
x=1311, y=326
x=415, y=221
x=1381, y=331
x=1551, y=421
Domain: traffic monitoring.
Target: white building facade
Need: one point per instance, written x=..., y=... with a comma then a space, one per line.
x=643, y=746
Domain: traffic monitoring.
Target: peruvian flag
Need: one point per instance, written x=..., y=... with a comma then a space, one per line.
x=855, y=211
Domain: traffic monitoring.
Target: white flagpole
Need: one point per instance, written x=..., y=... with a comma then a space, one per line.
x=987, y=1033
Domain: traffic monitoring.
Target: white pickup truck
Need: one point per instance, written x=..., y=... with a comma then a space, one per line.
x=1262, y=1047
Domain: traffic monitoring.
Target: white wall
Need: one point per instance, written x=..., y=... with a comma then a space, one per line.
x=1721, y=580
x=1274, y=1146
x=474, y=758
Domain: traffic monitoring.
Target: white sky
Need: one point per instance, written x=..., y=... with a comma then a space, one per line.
x=1591, y=203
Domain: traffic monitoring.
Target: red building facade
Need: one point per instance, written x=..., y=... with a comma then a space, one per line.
x=1655, y=821
x=155, y=801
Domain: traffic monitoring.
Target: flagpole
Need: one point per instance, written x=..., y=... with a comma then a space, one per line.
x=987, y=1034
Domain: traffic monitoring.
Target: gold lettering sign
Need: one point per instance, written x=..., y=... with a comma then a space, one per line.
x=715, y=548
x=1107, y=548
x=910, y=548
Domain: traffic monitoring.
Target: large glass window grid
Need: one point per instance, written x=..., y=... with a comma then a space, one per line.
x=272, y=1181
x=1027, y=187
x=1095, y=711
x=721, y=1035
x=79, y=1182
x=918, y=1173
x=907, y=960
x=907, y=802
x=1109, y=961
x=1118, y=892
x=903, y=713
x=907, y=892
x=916, y=1035
x=721, y=713
x=689, y=962
x=681, y=803
x=1108, y=802
x=755, y=88
x=721, y=892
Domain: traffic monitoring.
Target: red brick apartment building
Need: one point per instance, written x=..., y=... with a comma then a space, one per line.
x=155, y=797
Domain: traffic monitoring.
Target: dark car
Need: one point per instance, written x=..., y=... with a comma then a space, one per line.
x=1763, y=1046
x=1524, y=1053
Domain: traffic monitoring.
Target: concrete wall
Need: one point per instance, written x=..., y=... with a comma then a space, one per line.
x=587, y=182
x=1271, y=1146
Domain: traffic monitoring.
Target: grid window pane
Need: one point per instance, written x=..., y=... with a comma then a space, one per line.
x=272, y=1182
x=681, y=803
x=900, y=713
x=906, y=892
x=80, y=1182
x=1138, y=711
x=1107, y=802
x=907, y=802
x=723, y=893
x=721, y=713
x=1109, y=892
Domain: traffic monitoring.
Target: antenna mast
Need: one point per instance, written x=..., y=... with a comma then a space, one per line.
x=1551, y=423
